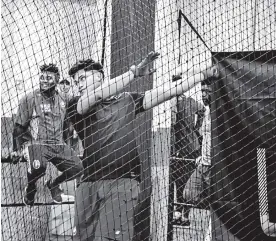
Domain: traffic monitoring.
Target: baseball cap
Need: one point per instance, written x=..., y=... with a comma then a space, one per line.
x=64, y=81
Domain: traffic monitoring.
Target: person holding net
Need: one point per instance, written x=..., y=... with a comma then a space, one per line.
x=108, y=192
x=38, y=136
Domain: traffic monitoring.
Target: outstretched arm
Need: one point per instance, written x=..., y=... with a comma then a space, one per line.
x=165, y=92
x=115, y=85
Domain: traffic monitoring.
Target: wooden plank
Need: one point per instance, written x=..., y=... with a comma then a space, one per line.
x=166, y=42
x=132, y=38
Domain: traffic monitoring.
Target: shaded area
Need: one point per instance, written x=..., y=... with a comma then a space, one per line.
x=243, y=119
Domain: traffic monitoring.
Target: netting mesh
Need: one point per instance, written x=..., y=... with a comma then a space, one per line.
x=109, y=149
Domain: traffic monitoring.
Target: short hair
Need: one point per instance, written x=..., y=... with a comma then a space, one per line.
x=87, y=65
x=50, y=68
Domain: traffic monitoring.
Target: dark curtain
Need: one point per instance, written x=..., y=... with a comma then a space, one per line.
x=243, y=113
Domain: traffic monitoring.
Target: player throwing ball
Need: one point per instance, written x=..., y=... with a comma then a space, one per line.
x=108, y=192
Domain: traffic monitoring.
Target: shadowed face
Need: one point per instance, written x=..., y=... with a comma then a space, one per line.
x=206, y=94
x=47, y=80
x=88, y=80
x=64, y=87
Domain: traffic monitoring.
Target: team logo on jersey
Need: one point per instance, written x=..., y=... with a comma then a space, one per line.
x=36, y=164
x=45, y=107
x=62, y=104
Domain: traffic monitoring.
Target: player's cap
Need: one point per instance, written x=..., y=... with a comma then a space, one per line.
x=87, y=65
x=64, y=81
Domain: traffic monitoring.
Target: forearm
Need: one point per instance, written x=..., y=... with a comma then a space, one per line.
x=167, y=91
x=107, y=89
x=115, y=85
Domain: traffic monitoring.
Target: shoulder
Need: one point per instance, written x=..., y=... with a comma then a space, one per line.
x=71, y=109
x=73, y=102
x=28, y=97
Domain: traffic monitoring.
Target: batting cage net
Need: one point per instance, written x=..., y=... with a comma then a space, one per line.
x=138, y=120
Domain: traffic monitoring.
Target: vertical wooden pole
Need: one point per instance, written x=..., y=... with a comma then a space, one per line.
x=166, y=42
x=132, y=37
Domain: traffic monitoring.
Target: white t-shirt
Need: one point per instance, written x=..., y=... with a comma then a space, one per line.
x=206, y=134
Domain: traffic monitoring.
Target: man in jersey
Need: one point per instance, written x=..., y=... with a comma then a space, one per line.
x=108, y=193
x=196, y=189
x=38, y=134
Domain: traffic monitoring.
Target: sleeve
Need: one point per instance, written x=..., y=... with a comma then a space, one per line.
x=72, y=116
x=138, y=99
x=67, y=133
x=24, y=112
x=18, y=137
x=71, y=112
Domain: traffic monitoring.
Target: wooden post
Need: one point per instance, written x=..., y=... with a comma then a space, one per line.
x=166, y=42
x=132, y=38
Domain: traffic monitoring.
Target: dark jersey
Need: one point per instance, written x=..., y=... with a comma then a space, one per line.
x=42, y=116
x=107, y=134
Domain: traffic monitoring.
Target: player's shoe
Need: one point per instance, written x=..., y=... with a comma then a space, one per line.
x=29, y=195
x=55, y=192
x=180, y=220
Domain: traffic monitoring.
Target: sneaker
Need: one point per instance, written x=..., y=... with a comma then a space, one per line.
x=29, y=196
x=55, y=192
x=176, y=218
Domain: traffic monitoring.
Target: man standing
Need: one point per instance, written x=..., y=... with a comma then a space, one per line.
x=188, y=141
x=38, y=135
x=196, y=189
x=108, y=193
